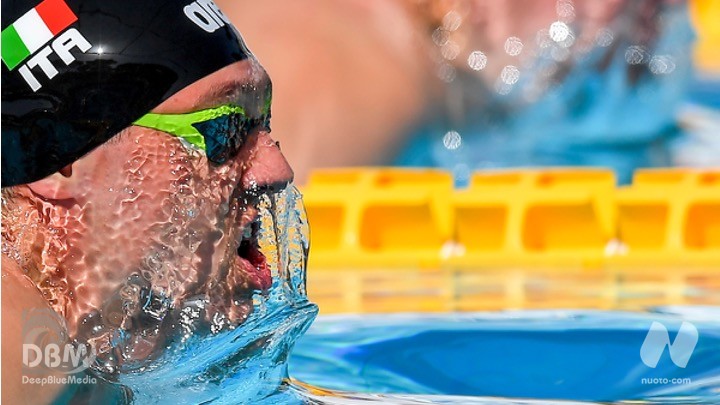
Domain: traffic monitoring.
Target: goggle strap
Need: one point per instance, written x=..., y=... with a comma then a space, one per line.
x=174, y=127
x=181, y=125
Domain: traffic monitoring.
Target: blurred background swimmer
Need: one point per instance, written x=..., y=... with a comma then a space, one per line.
x=471, y=84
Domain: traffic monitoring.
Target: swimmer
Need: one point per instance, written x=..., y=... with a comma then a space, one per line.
x=135, y=149
x=418, y=70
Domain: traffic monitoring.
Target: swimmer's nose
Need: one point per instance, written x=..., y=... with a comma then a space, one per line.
x=268, y=169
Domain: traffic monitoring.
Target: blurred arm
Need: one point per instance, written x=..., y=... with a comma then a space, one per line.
x=18, y=295
x=349, y=76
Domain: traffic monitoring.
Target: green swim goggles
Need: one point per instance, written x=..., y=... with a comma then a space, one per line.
x=219, y=131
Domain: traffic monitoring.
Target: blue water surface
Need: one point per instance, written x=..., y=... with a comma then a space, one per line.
x=574, y=355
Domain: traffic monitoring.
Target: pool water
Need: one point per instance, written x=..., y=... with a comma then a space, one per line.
x=479, y=358
x=571, y=355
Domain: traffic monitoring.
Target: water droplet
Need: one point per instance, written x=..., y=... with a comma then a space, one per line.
x=513, y=46
x=156, y=305
x=565, y=10
x=559, y=31
x=153, y=261
x=477, y=60
x=452, y=20
x=446, y=73
x=440, y=36
x=223, y=208
x=219, y=321
x=502, y=88
x=635, y=55
x=193, y=241
x=662, y=64
x=542, y=39
x=568, y=41
x=604, y=37
x=147, y=274
x=510, y=74
x=450, y=50
x=452, y=140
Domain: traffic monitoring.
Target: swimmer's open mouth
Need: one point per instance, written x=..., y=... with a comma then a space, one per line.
x=252, y=261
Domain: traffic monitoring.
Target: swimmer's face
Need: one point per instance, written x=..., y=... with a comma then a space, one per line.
x=151, y=216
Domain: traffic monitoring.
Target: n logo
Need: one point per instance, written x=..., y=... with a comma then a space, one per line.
x=658, y=337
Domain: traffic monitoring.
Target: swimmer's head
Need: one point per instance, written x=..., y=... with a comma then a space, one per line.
x=76, y=72
x=137, y=168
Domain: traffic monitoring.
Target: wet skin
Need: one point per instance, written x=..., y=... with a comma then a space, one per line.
x=144, y=217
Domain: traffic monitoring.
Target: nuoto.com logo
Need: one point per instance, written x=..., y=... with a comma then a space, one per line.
x=46, y=346
x=658, y=338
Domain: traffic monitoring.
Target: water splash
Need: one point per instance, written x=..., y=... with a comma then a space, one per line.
x=210, y=359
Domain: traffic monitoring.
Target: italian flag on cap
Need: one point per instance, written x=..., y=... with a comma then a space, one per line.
x=33, y=30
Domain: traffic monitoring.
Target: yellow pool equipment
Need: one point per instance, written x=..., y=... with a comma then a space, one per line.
x=389, y=240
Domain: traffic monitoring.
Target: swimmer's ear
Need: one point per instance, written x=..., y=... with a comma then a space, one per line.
x=55, y=186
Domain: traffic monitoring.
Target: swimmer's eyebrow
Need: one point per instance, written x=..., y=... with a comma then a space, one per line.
x=249, y=94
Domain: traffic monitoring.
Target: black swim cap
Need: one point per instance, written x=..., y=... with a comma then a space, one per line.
x=76, y=72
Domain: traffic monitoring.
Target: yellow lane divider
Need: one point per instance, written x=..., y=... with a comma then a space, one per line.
x=406, y=240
